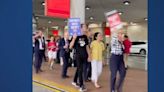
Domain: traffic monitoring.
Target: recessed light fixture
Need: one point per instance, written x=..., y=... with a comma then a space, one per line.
x=87, y=8
x=49, y=22
x=43, y=3
x=126, y=2
x=91, y=18
x=36, y=18
x=120, y=13
x=145, y=19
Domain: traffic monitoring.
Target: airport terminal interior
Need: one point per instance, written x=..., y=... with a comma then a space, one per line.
x=133, y=14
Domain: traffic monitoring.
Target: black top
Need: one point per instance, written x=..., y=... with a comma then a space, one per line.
x=63, y=51
x=37, y=43
x=80, y=45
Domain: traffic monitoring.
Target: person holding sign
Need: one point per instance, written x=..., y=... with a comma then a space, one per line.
x=80, y=44
x=117, y=60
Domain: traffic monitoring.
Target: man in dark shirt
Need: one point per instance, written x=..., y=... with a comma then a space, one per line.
x=64, y=53
x=39, y=50
x=80, y=44
x=87, y=66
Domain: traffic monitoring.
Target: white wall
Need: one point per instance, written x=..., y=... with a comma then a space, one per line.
x=135, y=32
x=138, y=32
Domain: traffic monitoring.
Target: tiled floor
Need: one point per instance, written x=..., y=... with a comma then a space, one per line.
x=136, y=79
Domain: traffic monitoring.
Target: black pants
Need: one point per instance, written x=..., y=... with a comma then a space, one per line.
x=117, y=64
x=89, y=70
x=38, y=59
x=86, y=70
x=44, y=56
x=79, y=72
x=58, y=57
x=65, y=65
x=33, y=55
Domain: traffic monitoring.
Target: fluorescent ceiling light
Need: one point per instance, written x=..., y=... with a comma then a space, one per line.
x=87, y=8
x=37, y=18
x=145, y=19
x=120, y=13
x=49, y=22
x=91, y=18
x=43, y=3
x=126, y=2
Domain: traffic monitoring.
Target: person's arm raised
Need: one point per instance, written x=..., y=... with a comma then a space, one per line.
x=73, y=41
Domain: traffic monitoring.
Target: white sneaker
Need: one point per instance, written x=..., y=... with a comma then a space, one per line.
x=75, y=84
x=113, y=91
x=51, y=68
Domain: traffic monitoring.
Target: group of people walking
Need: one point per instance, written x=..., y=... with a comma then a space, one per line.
x=88, y=56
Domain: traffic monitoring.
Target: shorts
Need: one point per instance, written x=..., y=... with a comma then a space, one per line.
x=52, y=54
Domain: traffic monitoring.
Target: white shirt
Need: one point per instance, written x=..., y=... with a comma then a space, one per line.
x=41, y=41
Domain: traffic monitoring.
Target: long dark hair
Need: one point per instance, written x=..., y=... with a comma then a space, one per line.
x=53, y=37
x=95, y=35
x=126, y=36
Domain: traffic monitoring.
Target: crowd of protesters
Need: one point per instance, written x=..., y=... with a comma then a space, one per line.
x=85, y=52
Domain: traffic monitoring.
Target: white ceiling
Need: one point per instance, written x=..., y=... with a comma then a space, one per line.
x=135, y=12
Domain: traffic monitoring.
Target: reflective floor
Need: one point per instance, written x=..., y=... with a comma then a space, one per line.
x=136, y=78
x=37, y=88
x=137, y=62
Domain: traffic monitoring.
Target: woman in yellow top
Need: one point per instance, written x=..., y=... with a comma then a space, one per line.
x=97, y=48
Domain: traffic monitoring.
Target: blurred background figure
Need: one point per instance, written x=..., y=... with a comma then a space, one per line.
x=107, y=49
x=64, y=54
x=58, y=38
x=33, y=45
x=52, y=51
x=89, y=68
x=127, y=45
x=39, y=50
x=87, y=65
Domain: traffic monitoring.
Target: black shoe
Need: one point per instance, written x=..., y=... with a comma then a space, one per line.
x=126, y=68
x=82, y=89
x=112, y=91
x=40, y=70
x=87, y=80
x=36, y=72
x=119, y=90
x=65, y=77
